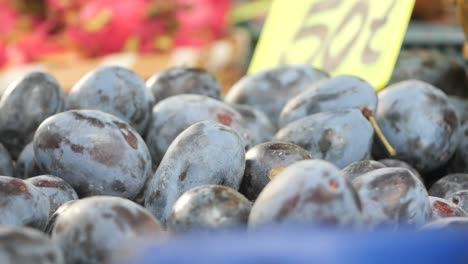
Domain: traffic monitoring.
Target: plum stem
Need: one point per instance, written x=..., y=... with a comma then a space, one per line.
x=370, y=116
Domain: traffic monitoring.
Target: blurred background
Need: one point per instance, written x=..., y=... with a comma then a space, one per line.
x=70, y=37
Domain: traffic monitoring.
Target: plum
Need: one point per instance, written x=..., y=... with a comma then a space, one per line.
x=117, y=91
x=449, y=184
x=6, y=164
x=174, y=114
x=26, y=165
x=308, y=192
x=442, y=208
x=269, y=90
x=24, y=105
x=257, y=123
x=22, y=204
x=204, y=153
x=209, y=208
x=330, y=95
x=338, y=137
x=183, y=80
x=420, y=124
x=264, y=161
x=58, y=191
x=392, y=197
x=95, y=152
x=391, y=163
x=91, y=229
x=359, y=168
x=27, y=245
x=432, y=67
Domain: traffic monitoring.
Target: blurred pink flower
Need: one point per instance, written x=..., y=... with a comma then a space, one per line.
x=9, y=18
x=108, y=26
x=3, y=57
x=62, y=12
x=201, y=21
x=101, y=27
x=33, y=46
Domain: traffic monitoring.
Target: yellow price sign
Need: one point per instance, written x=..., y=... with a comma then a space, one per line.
x=355, y=37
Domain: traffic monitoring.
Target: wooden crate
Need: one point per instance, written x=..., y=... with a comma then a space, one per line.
x=226, y=58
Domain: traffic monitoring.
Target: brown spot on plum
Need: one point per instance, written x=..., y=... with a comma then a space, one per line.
x=231, y=202
x=50, y=140
x=77, y=148
x=224, y=118
x=444, y=209
x=131, y=139
x=50, y=184
x=140, y=222
x=451, y=119
x=217, y=190
x=320, y=196
x=183, y=175
x=288, y=207
x=280, y=146
x=107, y=154
x=91, y=120
x=121, y=125
x=14, y=187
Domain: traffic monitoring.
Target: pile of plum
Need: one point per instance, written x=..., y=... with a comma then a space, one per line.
x=118, y=161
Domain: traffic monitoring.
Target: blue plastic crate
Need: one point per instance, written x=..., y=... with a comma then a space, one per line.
x=299, y=245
